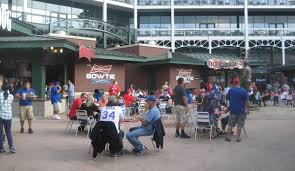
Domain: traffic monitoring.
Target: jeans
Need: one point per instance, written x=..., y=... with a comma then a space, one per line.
x=7, y=127
x=132, y=137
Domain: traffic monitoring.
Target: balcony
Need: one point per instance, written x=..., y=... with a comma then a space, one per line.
x=154, y=32
x=208, y=2
x=208, y=32
x=154, y=2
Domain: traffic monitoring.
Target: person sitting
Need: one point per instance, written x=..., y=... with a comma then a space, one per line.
x=169, y=106
x=76, y=106
x=104, y=101
x=107, y=130
x=98, y=94
x=266, y=97
x=147, y=126
x=165, y=96
x=91, y=108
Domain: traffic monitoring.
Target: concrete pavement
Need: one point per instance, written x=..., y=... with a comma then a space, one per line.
x=269, y=147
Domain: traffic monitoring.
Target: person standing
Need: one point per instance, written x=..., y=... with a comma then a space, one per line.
x=180, y=109
x=115, y=89
x=26, y=95
x=238, y=107
x=6, y=100
x=56, y=100
x=71, y=93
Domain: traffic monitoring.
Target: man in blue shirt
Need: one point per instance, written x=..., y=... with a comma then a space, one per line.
x=238, y=107
x=56, y=100
x=26, y=94
x=147, y=126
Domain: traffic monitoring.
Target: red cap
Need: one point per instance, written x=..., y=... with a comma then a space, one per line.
x=236, y=81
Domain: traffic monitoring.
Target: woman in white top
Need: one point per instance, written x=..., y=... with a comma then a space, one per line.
x=6, y=100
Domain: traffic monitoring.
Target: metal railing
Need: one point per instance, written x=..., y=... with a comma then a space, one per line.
x=271, y=2
x=209, y=32
x=208, y=2
x=154, y=2
x=154, y=32
x=88, y=24
x=131, y=2
x=272, y=32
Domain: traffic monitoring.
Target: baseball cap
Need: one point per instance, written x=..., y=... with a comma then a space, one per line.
x=236, y=81
x=151, y=98
x=113, y=99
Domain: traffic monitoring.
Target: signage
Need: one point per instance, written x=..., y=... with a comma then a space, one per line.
x=100, y=74
x=5, y=19
x=217, y=64
x=85, y=52
x=185, y=74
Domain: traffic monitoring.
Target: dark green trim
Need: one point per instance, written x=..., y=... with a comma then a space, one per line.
x=22, y=27
x=118, y=56
x=282, y=68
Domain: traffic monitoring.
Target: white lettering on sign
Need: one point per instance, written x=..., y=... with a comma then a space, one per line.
x=100, y=74
x=5, y=19
x=185, y=74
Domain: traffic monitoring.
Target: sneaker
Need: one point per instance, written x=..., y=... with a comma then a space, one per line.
x=238, y=140
x=22, y=130
x=12, y=150
x=140, y=153
x=56, y=117
x=177, y=134
x=184, y=135
x=227, y=139
x=2, y=151
x=30, y=131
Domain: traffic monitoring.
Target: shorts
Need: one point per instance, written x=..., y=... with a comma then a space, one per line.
x=56, y=108
x=180, y=114
x=26, y=112
x=238, y=120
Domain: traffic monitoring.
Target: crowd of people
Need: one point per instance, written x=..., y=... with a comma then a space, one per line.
x=229, y=105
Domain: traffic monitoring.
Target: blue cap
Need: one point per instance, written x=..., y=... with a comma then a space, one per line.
x=151, y=98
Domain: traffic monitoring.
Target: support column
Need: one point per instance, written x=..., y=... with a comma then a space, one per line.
x=210, y=45
x=135, y=19
x=283, y=52
x=66, y=74
x=172, y=27
x=38, y=78
x=105, y=19
x=246, y=28
x=24, y=10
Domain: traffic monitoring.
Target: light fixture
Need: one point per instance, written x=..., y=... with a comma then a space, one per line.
x=61, y=50
x=51, y=48
x=55, y=51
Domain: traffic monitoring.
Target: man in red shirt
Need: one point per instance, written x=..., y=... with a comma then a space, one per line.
x=115, y=89
x=76, y=106
x=128, y=98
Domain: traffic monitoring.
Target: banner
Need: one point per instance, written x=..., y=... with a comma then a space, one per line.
x=100, y=74
x=217, y=64
x=85, y=52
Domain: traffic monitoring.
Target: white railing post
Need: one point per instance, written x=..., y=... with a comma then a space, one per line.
x=283, y=51
x=246, y=28
x=135, y=25
x=172, y=27
x=210, y=44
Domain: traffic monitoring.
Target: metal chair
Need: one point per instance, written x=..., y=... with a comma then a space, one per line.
x=203, y=123
x=83, y=119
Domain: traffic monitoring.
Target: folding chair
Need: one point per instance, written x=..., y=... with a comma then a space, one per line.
x=83, y=119
x=141, y=107
x=203, y=123
x=69, y=124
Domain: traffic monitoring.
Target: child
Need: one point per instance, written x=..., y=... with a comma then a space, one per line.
x=6, y=100
x=275, y=98
x=258, y=98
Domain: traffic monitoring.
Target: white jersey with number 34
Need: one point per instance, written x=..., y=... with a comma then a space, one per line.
x=112, y=114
